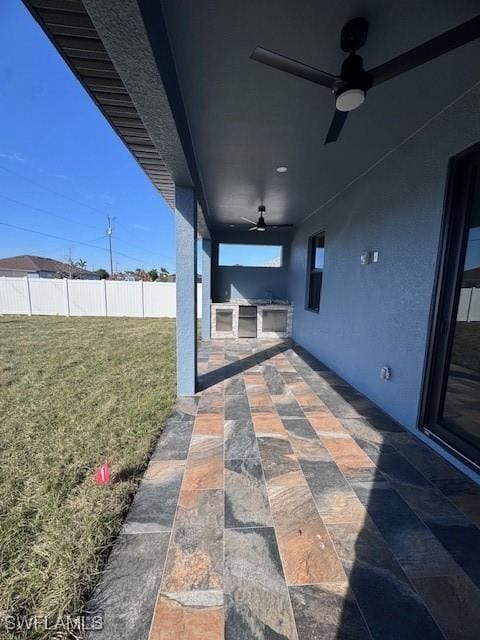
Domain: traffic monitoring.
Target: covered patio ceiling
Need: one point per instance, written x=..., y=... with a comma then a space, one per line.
x=215, y=119
x=246, y=119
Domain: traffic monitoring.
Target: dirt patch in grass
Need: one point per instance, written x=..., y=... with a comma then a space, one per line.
x=73, y=392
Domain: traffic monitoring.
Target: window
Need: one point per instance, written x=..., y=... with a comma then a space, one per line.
x=249, y=255
x=316, y=257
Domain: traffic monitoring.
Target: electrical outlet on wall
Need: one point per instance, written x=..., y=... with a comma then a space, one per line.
x=365, y=258
x=385, y=373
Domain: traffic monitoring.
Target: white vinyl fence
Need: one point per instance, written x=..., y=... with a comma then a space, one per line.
x=107, y=298
x=469, y=305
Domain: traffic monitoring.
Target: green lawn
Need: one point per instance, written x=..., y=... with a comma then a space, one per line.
x=466, y=345
x=74, y=391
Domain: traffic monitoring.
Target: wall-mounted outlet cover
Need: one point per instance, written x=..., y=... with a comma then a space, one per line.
x=375, y=256
x=365, y=258
x=385, y=373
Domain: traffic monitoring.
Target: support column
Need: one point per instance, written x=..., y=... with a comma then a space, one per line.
x=186, y=289
x=206, y=286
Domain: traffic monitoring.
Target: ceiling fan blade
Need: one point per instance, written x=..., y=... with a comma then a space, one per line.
x=248, y=220
x=253, y=228
x=277, y=61
x=278, y=226
x=427, y=51
x=336, y=125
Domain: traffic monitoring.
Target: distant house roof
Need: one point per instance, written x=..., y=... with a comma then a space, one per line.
x=34, y=264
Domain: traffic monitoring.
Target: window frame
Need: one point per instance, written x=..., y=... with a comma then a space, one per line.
x=312, y=271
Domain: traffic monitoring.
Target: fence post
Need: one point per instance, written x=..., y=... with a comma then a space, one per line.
x=105, y=296
x=142, y=298
x=29, y=299
x=67, y=301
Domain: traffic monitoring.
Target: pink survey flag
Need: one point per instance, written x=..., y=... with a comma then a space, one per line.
x=103, y=474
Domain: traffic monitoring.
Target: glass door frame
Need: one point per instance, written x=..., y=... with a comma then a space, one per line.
x=453, y=246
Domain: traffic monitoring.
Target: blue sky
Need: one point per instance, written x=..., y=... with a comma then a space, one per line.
x=62, y=168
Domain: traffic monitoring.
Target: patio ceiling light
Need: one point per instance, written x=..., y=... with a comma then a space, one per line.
x=282, y=169
x=350, y=99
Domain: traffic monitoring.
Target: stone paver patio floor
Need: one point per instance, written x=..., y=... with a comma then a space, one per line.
x=281, y=504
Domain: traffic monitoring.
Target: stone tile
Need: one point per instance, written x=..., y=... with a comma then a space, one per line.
x=280, y=465
x=454, y=602
x=257, y=604
x=412, y=543
x=153, y=508
x=274, y=380
x=126, y=592
x=194, y=559
x=260, y=399
x=462, y=540
x=236, y=408
x=240, y=440
x=253, y=379
x=335, y=499
x=210, y=424
x=325, y=423
x=346, y=453
x=464, y=494
x=174, y=440
x=194, y=615
x=414, y=488
x=164, y=471
x=327, y=612
x=188, y=405
x=246, y=502
x=211, y=403
x=289, y=409
x=307, y=553
x=235, y=386
x=431, y=465
x=200, y=508
x=307, y=399
x=391, y=607
x=205, y=464
x=266, y=423
x=305, y=442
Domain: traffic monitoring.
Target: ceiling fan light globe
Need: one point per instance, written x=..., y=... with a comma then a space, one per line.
x=261, y=228
x=350, y=99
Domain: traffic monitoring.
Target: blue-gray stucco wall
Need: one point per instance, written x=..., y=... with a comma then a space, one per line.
x=379, y=314
x=251, y=282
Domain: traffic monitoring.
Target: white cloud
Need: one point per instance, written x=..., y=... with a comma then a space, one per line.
x=13, y=157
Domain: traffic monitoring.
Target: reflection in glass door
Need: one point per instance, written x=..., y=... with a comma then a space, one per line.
x=454, y=409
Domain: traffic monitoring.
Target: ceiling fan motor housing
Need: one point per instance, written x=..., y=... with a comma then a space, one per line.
x=354, y=86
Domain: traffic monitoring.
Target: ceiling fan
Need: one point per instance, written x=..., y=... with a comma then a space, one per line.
x=260, y=224
x=351, y=86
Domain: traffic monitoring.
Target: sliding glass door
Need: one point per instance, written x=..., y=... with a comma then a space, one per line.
x=453, y=404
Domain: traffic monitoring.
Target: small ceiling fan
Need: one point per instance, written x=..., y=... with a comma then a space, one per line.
x=351, y=86
x=260, y=224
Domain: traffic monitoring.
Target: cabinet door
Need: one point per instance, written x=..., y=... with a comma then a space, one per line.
x=224, y=320
x=247, y=322
x=275, y=320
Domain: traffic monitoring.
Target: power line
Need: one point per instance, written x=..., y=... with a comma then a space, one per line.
x=49, y=213
x=82, y=204
x=49, y=235
x=57, y=193
x=75, y=242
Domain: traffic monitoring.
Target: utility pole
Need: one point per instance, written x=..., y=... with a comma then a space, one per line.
x=109, y=234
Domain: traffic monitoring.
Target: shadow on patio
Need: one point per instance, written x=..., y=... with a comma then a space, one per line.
x=281, y=503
